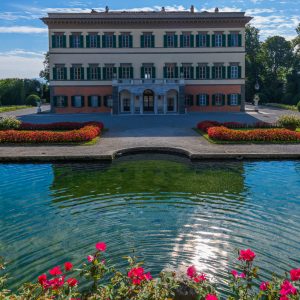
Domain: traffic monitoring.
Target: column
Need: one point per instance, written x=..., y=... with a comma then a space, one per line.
x=141, y=104
x=165, y=103
x=132, y=103
x=156, y=104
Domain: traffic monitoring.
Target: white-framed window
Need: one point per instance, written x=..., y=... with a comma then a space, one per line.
x=109, y=40
x=170, y=70
x=234, y=72
x=234, y=39
x=60, y=73
x=125, y=40
x=202, y=72
x=202, y=100
x=170, y=40
x=77, y=71
x=189, y=100
x=234, y=99
x=125, y=72
x=202, y=40
x=94, y=101
x=148, y=72
x=93, y=40
x=148, y=36
x=109, y=72
x=60, y=101
x=186, y=40
x=59, y=40
x=218, y=72
x=218, y=39
x=218, y=99
x=77, y=101
x=187, y=72
x=94, y=73
x=76, y=40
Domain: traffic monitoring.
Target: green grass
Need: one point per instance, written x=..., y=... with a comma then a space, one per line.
x=283, y=106
x=12, y=108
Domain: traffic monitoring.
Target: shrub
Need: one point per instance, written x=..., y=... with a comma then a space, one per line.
x=9, y=122
x=32, y=100
x=298, y=106
x=289, y=121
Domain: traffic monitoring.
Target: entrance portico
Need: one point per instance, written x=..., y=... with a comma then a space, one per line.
x=148, y=96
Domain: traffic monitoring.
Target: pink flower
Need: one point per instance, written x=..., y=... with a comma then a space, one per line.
x=200, y=278
x=211, y=297
x=68, y=266
x=55, y=271
x=247, y=255
x=295, y=274
x=136, y=272
x=287, y=288
x=242, y=275
x=264, y=286
x=72, y=282
x=191, y=271
x=55, y=283
x=147, y=276
x=101, y=246
x=236, y=275
x=90, y=258
x=42, y=279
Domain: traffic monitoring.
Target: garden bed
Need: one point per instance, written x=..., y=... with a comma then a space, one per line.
x=239, y=133
x=4, y=109
x=54, y=133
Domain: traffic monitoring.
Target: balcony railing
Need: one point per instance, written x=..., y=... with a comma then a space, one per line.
x=147, y=81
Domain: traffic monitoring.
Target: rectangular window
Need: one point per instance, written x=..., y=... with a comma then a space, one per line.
x=170, y=71
x=94, y=73
x=218, y=99
x=125, y=40
x=234, y=39
x=218, y=72
x=202, y=72
x=218, y=40
x=60, y=73
x=60, y=101
x=76, y=41
x=58, y=41
x=147, y=40
x=189, y=100
x=77, y=73
x=234, y=72
x=170, y=40
x=234, y=99
x=77, y=101
x=186, y=40
x=108, y=40
x=202, y=40
x=148, y=72
x=94, y=101
x=92, y=40
x=108, y=72
x=125, y=72
x=187, y=71
x=202, y=100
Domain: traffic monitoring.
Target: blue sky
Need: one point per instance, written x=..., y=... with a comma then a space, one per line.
x=23, y=37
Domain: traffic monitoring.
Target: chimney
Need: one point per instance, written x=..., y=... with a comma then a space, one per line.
x=216, y=10
x=106, y=9
x=163, y=9
x=192, y=9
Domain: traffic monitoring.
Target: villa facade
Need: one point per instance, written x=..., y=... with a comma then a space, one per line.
x=156, y=62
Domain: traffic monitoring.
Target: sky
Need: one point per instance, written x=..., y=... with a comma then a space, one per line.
x=23, y=36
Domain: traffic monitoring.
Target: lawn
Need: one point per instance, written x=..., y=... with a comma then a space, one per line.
x=4, y=109
x=283, y=106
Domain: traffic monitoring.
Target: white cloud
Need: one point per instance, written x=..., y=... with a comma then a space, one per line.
x=23, y=53
x=257, y=11
x=22, y=29
x=12, y=16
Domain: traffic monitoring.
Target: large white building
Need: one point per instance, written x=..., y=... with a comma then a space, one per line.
x=158, y=62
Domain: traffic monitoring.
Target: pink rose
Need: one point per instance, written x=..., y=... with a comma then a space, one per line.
x=247, y=255
x=90, y=258
x=68, y=266
x=200, y=278
x=191, y=271
x=264, y=286
x=101, y=246
x=295, y=274
x=287, y=288
x=211, y=297
x=42, y=279
x=72, y=282
x=55, y=271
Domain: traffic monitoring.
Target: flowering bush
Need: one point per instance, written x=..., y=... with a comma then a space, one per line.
x=102, y=282
x=9, y=122
x=84, y=132
x=59, y=126
x=289, y=121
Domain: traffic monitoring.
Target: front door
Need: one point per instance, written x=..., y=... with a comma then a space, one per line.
x=148, y=100
x=171, y=104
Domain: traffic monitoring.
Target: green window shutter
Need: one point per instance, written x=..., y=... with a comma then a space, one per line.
x=99, y=100
x=207, y=100
x=120, y=41
x=229, y=72
x=142, y=72
x=103, y=41
x=229, y=40
x=152, y=41
x=130, y=41
x=176, y=72
x=214, y=100
x=65, y=73
x=115, y=71
x=72, y=73
x=153, y=72
x=165, y=41
x=207, y=72
x=239, y=99
x=98, y=41
x=131, y=72
x=240, y=71
x=213, y=39
x=240, y=40
x=65, y=101
x=53, y=41
x=55, y=101
x=81, y=41
x=73, y=100
x=142, y=41
x=71, y=41
x=207, y=40
x=197, y=40
x=114, y=41
x=213, y=72
x=64, y=41
x=54, y=74
x=181, y=41
x=197, y=72
x=120, y=72
x=104, y=73
x=88, y=73
x=181, y=70
x=99, y=73
x=223, y=99
x=87, y=38
x=82, y=74
x=192, y=41
x=228, y=99
x=192, y=73
x=89, y=100
x=223, y=40
x=223, y=72
x=82, y=101
x=176, y=40
x=165, y=72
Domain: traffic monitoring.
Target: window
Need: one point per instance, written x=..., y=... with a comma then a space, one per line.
x=218, y=72
x=126, y=104
x=202, y=40
x=147, y=40
x=234, y=99
x=60, y=73
x=189, y=100
x=76, y=41
x=58, y=40
x=125, y=40
x=77, y=73
x=92, y=40
x=77, y=101
x=187, y=72
x=171, y=71
x=125, y=72
x=148, y=72
x=186, y=40
x=202, y=70
x=170, y=40
x=60, y=101
x=218, y=99
x=202, y=100
x=218, y=40
x=234, y=72
x=108, y=40
x=108, y=72
x=233, y=40
x=94, y=101
x=94, y=72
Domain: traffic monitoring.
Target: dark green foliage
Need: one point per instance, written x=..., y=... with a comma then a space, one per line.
x=32, y=100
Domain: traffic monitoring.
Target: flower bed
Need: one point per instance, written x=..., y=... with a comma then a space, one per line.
x=40, y=133
x=103, y=282
x=224, y=132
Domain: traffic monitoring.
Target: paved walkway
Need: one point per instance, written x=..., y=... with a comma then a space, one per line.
x=172, y=132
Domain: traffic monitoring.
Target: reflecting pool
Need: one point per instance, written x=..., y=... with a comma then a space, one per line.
x=171, y=211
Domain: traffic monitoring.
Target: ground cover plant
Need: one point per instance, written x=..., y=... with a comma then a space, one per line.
x=4, y=109
x=96, y=279
x=259, y=132
x=66, y=132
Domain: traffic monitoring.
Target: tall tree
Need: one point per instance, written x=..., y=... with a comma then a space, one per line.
x=45, y=73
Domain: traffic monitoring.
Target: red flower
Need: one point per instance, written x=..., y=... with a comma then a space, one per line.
x=264, y=286
x=42, y=279
x=211, y=297
x=147, y=276
x=235, y=274
x=55, y=283
x=55, y=271
x=200, y=278
x=295, y=274
x=68, y=266
x=137, y=275
x=90, y=258
x=72, y=282
x=136, y=272
x=101, y=246
x=191, y=271
x=287, y=289
x=247, y=255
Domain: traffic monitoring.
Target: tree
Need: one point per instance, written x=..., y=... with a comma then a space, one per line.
x=45, y=73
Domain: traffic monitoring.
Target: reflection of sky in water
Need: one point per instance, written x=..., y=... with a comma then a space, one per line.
x=46, y=216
